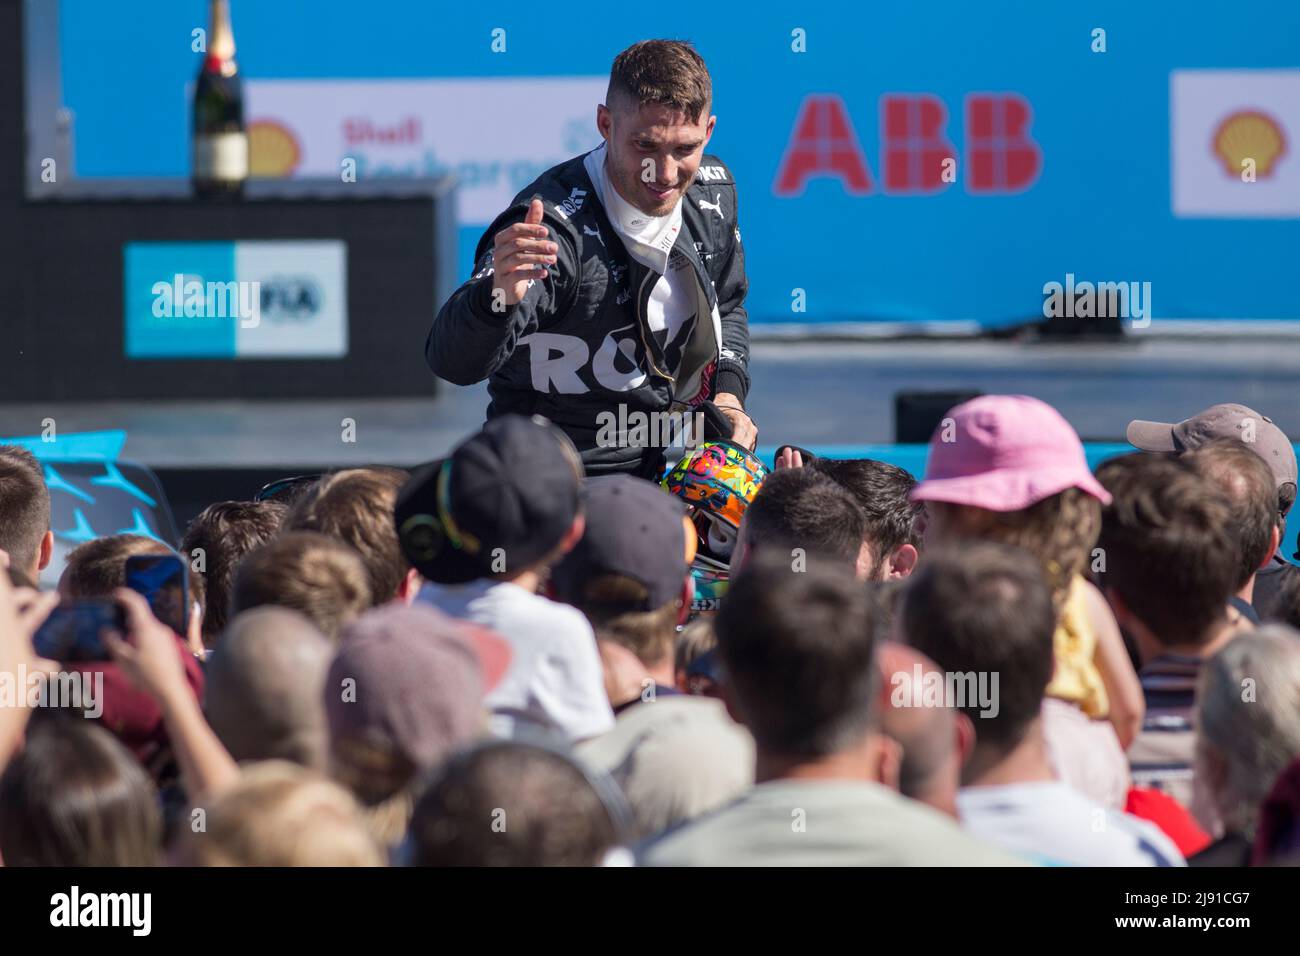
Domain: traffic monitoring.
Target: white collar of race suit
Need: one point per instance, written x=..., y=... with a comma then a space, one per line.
x=649, y=239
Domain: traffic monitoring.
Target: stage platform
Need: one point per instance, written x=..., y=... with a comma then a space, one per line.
x=824, y=394
x=831, y=397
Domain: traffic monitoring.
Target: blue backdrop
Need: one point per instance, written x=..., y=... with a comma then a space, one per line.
x=1100, y=206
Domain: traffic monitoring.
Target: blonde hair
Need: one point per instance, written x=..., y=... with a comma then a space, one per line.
x=388, y=820
x=381, y=780
x=696, y=639
x=280, y=814
x=1060, y=530
x=650, y=635
x=311, y=573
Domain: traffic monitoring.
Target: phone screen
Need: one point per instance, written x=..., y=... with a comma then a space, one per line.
x=73, y=632
x=161, y=579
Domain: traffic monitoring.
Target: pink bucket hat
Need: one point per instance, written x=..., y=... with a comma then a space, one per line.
x=1005, y=453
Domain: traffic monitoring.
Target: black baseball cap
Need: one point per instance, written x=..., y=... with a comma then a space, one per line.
x=633, y=528
x=500, y=502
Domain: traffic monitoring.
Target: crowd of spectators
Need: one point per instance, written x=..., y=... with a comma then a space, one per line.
x=492, y=659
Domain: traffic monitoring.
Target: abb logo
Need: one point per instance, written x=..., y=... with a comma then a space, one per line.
x=916, y=154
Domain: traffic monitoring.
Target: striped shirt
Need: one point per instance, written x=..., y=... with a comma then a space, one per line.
x=1161, y=756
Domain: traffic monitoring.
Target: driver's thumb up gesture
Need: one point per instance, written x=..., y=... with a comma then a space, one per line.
x=520, y=254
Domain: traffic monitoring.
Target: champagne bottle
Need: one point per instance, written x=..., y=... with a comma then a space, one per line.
x=220, y=141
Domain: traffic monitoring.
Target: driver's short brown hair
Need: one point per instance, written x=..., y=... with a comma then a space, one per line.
x=664, y=72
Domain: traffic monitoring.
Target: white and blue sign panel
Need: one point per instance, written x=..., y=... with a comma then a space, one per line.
x=236, y=300
x=1235, y=137
x=909, y=163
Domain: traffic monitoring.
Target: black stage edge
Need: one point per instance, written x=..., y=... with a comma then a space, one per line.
x=190, y=490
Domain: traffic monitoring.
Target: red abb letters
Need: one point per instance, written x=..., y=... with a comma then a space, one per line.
x=1000, y=156
x=913, y=144
x=823, y=144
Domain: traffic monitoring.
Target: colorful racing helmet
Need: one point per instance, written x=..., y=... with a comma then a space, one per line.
x=717, y=482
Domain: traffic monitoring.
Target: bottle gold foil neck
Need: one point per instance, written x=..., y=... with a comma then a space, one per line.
x=221, y=36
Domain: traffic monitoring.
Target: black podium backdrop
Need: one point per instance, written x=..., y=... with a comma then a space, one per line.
x=61, y=274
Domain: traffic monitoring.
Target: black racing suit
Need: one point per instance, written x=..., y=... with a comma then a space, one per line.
x=577, y=344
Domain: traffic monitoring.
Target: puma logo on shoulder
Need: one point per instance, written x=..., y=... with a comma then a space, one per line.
x=716, y=205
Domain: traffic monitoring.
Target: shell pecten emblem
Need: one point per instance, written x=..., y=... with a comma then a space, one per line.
x=273, y=150
x=1249, y=135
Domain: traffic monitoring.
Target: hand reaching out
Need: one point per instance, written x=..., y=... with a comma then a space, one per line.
x=149, y=655
x=789, y=458
x=21, y=612
x=152, y=660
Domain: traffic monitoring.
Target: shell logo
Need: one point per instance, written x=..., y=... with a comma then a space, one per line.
x=273, y=150
x=1249, y=134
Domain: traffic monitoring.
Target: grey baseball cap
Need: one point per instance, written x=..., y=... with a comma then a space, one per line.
x=416, y=693
x=634, y=528
x=1221, y=421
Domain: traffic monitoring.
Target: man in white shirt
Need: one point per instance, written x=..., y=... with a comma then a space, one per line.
x=483, y=526
x=798, y=654
x=983, y=612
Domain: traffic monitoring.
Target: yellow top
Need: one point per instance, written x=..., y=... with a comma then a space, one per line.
x=1076, y=678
